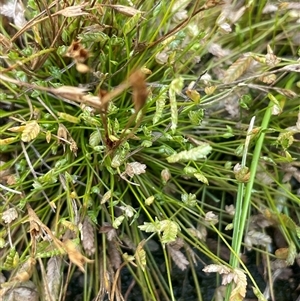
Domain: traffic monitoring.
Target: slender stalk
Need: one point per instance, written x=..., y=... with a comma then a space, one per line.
x=244, y=200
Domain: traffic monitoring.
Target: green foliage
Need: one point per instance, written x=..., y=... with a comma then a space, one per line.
x=143, y=161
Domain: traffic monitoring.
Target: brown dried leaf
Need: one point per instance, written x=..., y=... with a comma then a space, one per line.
x=5, y=44
x=69, y=90
x=237, y=69
x=37, y=225
x=72, y=11
x=88, y=237
x=74, y=255
x=77, y=52
x=139, y=89
x=25, y=271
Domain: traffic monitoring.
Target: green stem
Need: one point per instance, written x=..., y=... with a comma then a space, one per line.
x=244, y=200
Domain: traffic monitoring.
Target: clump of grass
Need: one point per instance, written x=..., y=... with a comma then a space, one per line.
x=126, y=130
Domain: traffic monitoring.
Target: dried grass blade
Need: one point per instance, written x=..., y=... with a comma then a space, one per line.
x=139, y=88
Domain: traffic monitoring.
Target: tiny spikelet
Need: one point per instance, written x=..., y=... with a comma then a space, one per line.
x=95, y=138
x=199, y=152
x=68, y=117
x=237, y=69
x=110, y=231
x=292, y=253
x=217, y=268
x=135, y=168
x=140, y=255
x=9, y=215
x=125, y=10
x=88, y=238
x=170, y=230
x=254, y=237
x=268, y=79
x=12, y=259
x=31, y=131
x=128, y=242
x=118, y=221
x=160, y=105
x=175, y=87
x=239, y=292
x=178, y=257
x=193, y=95
x=17, y=129
x=211, y=217
x=54, y=276
x=7, y=141
x=114, y=254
